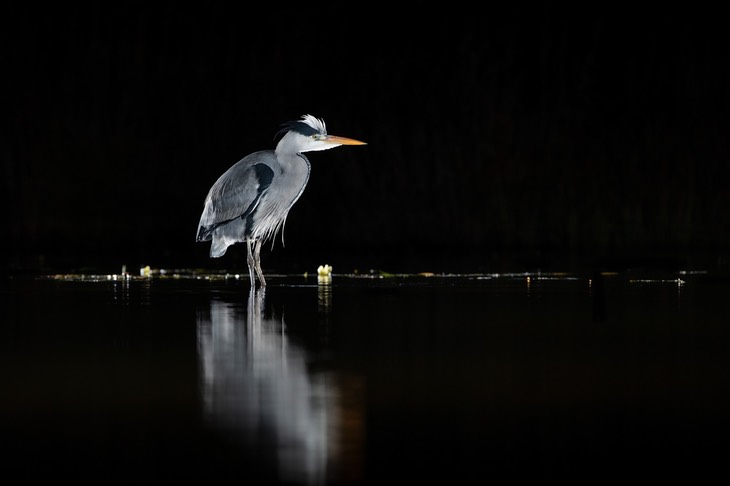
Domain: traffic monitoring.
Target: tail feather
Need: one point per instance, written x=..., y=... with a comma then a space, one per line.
x=223, y=235
x=204, y=234
x=218, y=247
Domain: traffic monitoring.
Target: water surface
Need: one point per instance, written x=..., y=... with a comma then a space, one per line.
x=364, y=380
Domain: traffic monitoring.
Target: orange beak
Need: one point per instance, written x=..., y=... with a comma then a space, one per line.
x=343, y=140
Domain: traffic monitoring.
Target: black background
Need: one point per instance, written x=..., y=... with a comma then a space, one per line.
x=516, y=138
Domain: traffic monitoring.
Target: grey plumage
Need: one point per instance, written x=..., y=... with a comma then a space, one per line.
x=251, y=200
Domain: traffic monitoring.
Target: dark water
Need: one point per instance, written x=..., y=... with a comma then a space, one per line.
x=364, y=380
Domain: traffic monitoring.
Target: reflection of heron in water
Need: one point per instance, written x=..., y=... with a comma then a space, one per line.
x=257, y=386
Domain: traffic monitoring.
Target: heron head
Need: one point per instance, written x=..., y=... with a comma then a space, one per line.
x=309, y=134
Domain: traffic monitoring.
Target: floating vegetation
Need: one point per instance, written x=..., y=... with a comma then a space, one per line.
x=324, y=274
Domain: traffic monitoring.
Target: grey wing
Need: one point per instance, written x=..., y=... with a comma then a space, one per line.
x=236, y=193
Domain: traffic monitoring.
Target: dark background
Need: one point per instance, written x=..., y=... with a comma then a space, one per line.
x=497, y=139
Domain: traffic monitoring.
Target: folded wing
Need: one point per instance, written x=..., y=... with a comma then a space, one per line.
x=232, y=200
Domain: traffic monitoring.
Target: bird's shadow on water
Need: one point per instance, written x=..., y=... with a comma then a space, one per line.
x=263, y=391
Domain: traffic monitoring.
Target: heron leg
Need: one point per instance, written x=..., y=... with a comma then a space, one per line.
x=257, y=261
x=251, y=263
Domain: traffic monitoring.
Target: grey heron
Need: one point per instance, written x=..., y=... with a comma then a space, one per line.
x=251, y=200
